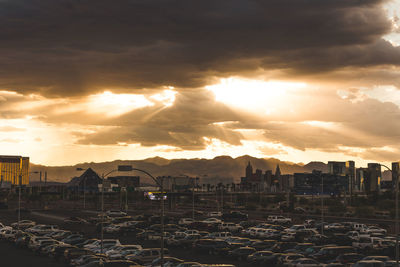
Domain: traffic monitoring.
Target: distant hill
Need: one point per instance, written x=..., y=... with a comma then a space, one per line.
x=222, y=167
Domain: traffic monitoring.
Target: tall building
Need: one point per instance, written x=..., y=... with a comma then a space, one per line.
x=361, y=178
x=351, y=174
x=249, y=171
x=14, y=169
x=337, y=167
x=375, y=176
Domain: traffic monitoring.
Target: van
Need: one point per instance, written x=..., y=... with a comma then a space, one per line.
x=359, y=227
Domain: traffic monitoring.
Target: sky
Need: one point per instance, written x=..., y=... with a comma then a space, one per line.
x=99, y=80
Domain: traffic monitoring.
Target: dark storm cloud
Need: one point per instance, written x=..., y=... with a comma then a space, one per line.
x=74, y=47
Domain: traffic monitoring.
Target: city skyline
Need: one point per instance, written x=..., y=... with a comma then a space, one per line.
x=300, y=82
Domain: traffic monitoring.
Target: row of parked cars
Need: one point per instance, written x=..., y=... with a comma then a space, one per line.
x=76, y=250
x=276, y=242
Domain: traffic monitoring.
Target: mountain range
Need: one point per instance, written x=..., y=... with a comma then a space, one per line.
x=222, y=167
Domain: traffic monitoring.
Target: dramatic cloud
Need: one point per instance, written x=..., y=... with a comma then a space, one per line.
x=295, y=79
x=69, y=47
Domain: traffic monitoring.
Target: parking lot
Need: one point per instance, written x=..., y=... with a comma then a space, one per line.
x=210, y=239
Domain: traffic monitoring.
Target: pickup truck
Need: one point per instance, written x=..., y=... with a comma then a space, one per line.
x=277, y=219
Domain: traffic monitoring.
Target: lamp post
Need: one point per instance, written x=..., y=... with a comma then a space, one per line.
x=322, y=204
x=19, y=190
x=193, y=201
x=161, y=185
x=19, y=193
x=84, y=187
x=103, y=176
x=396, y=214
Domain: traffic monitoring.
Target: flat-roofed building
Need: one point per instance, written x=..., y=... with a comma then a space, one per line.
x=14, y=170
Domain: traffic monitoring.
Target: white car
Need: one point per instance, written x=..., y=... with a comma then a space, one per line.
x=112, y=228
x=231, y=227
x=23, y=224
x=372, y=230
x=115, y=213
x=277, y=219
x=212, y=221
x=191, y=232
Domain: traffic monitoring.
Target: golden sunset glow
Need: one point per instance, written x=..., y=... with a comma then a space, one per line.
x=253, y=95
x=237, y=78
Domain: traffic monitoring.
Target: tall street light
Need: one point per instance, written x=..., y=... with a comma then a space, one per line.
x=322, y=203
x=84, y=187
x=160, y=184
x=19, y=190
x=103, y=176
x=19, y=193
x=396, y=214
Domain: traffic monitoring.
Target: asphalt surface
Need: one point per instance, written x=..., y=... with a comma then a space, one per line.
x=10, y=256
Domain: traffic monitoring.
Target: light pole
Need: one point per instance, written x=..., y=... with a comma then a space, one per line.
x=396, y=214
x=161, y=185
x=322, y=204
x=84, y=187
x=19, y=190
x=103, y=176
x=193, y=199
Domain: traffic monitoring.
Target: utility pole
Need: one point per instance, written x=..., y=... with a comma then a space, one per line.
x=162, y=221
x=102, y=212
x=322, y=204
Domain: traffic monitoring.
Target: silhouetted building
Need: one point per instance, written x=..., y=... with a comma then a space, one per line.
x=177, y=183
x=351, y=174
x=318, y=182
x=249, y=171
x=375, y=176
x=89, y=181
x=268, y=182
x=337, y=167
x=14, y=170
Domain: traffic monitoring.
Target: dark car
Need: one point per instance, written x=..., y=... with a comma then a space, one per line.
x=209, y=245
x=263, y=245
x=348, y=258
x=73, y=239
x=261, y=257
x=75, y=220
x=282, y=246
x=241, y=253
x=58, y=251
x=328, y=254
x=117, y=263
x=168, y=261
x=235, y=215
x=73, y=253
